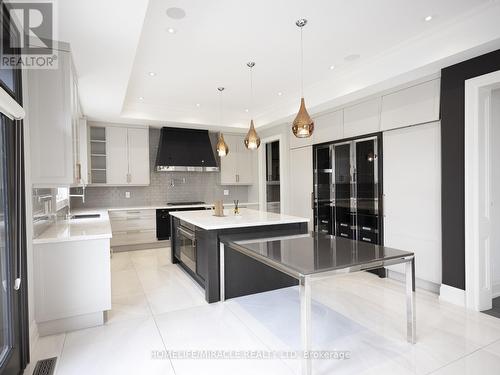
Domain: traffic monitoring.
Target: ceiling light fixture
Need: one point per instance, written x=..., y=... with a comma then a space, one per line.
x=428, y=18
x=152, y=74
x=198, y=105
x=176, y=13
x=222, y=148
x=280, y=93
x=171, y=30
x=252, y=140
x=352, y=57
x=246, y=110
x=303, y=125
x=141, y=98
x=332, y=67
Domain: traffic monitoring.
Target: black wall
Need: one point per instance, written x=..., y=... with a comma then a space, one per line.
x=453, y=162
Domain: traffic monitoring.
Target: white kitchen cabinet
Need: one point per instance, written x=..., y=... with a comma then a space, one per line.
x=236, y=166
x=133, y=227
x=116, y=156
x=295, y=142
x=411, y=106
x=329, y=127
x=138, y=156
x=362, y=118
x=301, y=183
x=412, y=196
x=72, y=282
x=50, y=117
x=127, y=156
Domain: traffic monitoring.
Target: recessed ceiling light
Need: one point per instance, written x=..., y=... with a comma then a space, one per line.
x=352, y=57
x=171, y=30
x=428, y=18
x=151, y=74
x=246, y=109
x=280, y=93
x=198, y=105
x=176, y=13
x=332, y=67
x=140, y=98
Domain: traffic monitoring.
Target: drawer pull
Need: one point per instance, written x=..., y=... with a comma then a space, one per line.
x=133, y=212
x=344, y=235
x=366, y=239
x=343, y=225
x=367, y=228
x=324, y=221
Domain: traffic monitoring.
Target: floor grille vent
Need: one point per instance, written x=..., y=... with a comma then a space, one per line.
x=45, y=366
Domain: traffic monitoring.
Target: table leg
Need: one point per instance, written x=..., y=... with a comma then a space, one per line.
x=410, y=301
x=222, y=289
x=305, y=324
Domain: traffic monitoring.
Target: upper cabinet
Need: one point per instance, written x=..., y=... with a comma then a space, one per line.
x=53, y=115
x=236, y=166
x=138, y=156
x=329, y=127
x=119, y=155
x=411, y=106
x=362, y=118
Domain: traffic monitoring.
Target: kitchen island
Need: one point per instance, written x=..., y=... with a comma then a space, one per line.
x=195, y=246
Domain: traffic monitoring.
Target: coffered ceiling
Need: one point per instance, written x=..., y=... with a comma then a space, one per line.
x=137, y=64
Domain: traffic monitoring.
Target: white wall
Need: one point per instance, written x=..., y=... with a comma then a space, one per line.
x=495, y=191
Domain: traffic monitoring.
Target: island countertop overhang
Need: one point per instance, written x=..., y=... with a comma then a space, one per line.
x=246, y=218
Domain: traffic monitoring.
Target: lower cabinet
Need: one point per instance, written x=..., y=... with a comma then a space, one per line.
x=72, y=284
x=133, y=227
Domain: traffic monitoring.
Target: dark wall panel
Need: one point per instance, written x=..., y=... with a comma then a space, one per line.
x=452, y=153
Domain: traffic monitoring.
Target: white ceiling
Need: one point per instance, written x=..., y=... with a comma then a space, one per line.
x=116, y=47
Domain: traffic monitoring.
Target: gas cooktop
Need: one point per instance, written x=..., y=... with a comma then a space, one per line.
x=183, y=203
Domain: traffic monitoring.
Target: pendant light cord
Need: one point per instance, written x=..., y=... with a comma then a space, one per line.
x=220, y=107
x=301, y=64
x=251, y=93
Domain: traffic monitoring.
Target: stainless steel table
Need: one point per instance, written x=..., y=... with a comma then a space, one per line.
x=316, y=256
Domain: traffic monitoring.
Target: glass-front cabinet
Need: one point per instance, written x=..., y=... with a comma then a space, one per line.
x=346, y=189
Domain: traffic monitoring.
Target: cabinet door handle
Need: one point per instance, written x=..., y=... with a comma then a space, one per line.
x=344, y=235
x=366, y=239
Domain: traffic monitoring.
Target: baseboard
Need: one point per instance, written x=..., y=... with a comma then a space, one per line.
x=452, y=295
x=495, y=290
x=145, y=246
x=419, y=283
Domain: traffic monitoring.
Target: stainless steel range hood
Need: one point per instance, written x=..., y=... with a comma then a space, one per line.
x=185, y=150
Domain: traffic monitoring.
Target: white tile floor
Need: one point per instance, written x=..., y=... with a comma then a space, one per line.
x=156, y=306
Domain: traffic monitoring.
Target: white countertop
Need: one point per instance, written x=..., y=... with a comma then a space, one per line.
x=166, y=206
x=89, y=229
x=246, y=218
x=78, y=229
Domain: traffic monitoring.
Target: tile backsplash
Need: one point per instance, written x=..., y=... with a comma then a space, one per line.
x=164, y=187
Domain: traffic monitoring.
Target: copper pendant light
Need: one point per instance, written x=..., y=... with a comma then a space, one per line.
x=252, y=140
x=222, y=147
x=303, y=125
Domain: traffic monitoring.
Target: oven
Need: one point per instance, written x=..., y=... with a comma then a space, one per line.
x=185, y=245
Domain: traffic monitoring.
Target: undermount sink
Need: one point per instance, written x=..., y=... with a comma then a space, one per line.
x=85, y=216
